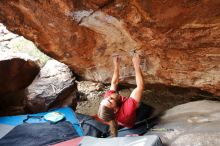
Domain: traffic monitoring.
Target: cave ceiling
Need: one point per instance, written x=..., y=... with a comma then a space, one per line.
x=179, y=40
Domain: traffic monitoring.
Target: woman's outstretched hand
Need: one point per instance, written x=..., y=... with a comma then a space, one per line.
x=136, y=60
x=115, y=77
x=116, y=60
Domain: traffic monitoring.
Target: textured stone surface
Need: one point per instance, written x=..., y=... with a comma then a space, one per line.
x=6, y=36
x=89, y=97
x=179, y=40
x=193, y=124
x=53, y=87
x=17, y=71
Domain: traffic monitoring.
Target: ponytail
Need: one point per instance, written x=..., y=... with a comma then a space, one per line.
x=113, y=128
x=108, y=115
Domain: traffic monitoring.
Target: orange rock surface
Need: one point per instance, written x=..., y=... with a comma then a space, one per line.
x=179, y=40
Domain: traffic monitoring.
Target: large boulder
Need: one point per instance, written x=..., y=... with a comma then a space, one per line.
x=179, y=40
x=190, y=124
x=17, y=71
x=53, y=87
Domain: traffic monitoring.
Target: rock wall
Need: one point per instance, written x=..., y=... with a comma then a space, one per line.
x=179, y=40
x=193, y=123
x=53, y=87
x=17, y=71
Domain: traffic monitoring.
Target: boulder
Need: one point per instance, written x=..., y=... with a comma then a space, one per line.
x=17, y=71
x=193, y=123
x=179, y=40
x=53, y=87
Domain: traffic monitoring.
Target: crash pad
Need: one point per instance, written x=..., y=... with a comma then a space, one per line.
x=146, y=140
x=17, y=120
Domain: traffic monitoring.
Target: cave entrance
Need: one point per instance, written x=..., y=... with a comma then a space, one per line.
x=16, y=43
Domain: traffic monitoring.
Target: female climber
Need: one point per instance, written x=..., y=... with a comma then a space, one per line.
x=116, y=109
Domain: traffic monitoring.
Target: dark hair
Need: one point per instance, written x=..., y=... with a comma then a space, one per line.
x=105, y=113
x=108, y=115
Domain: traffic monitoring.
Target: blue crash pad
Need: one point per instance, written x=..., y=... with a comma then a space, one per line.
x=68, y=112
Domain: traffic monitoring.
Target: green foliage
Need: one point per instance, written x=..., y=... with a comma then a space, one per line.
x=23, y=45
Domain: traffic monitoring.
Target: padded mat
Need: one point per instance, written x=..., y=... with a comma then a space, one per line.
x=68, y=112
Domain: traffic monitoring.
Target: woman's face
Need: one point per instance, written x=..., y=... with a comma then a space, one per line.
x=110, y=101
